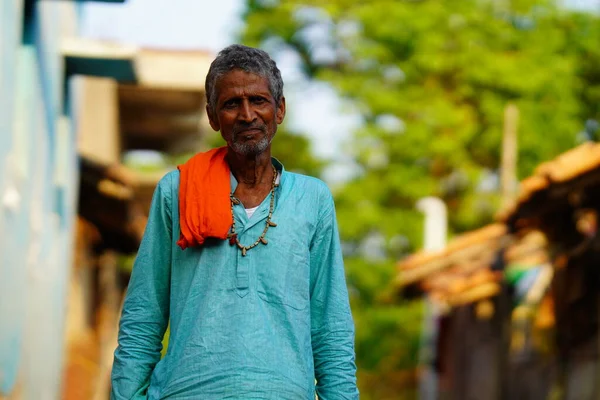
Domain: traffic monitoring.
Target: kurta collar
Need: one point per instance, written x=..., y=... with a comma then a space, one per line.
x=278, y=166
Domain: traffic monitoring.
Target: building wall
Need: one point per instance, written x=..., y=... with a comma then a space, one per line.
x=38, y=180
x=11, y=312
x=39, y=175
x=99, y=138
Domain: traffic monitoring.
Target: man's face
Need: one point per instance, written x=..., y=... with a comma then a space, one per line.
x=246, y=112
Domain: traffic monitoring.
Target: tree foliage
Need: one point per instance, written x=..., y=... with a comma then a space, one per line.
x=431, y=79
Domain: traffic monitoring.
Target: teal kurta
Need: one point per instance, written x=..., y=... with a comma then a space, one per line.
x=263, y=326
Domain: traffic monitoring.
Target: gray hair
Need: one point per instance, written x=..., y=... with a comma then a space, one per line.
x=247, y=59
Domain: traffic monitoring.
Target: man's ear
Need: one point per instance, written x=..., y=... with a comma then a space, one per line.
x=280, y=115
x=214, y=123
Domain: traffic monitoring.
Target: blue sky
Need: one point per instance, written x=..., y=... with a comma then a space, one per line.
x=584, y=4
x=165, y=23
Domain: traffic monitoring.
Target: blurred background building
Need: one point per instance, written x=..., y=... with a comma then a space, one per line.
x=515, y=305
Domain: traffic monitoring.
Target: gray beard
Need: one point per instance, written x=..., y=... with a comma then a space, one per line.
x=251, y=149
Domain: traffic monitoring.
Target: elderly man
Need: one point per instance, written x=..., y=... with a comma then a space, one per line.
x=243, y=259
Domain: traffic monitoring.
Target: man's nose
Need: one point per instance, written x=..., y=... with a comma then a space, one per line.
x=247, y=112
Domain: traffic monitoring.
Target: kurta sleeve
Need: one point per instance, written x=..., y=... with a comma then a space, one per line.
x=146, y=308
x=332, y=327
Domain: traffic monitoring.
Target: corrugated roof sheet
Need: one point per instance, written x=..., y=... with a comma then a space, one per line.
x=159, y=68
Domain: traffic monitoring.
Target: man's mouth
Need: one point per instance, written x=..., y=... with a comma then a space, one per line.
x=249, y=133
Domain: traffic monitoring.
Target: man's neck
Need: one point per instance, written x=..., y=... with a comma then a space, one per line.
x=251, y=170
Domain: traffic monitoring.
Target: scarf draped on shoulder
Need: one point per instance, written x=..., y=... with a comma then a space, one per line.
x=204, y=203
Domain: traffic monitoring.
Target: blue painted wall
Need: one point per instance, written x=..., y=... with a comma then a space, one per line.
x=38, y=186
x=12, y=285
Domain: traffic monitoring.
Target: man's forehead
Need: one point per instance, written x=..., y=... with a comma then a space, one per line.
x=242, y=81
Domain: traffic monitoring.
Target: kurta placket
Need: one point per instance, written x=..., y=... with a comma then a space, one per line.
x=244, y=227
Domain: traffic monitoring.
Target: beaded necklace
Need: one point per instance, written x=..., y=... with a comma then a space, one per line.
x=233, y=237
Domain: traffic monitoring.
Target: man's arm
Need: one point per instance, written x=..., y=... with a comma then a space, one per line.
x=146, y=309
x=332, y=327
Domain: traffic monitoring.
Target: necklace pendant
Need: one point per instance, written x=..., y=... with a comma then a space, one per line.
x=232, y=239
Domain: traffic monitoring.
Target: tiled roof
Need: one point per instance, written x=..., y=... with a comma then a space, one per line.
x=566, y=167
x=473, y=247
x=462, y=273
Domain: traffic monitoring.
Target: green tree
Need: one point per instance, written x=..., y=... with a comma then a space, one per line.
x=431, y=79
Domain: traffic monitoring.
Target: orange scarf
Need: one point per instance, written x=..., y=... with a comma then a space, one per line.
x=204, y=204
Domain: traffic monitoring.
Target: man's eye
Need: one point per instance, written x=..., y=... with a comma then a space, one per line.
x=258, y=100
x=230, y=104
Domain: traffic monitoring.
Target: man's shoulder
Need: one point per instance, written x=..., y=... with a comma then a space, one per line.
x=309, y=185
x=169, y=180
x=309, y=182
x=168, y=186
